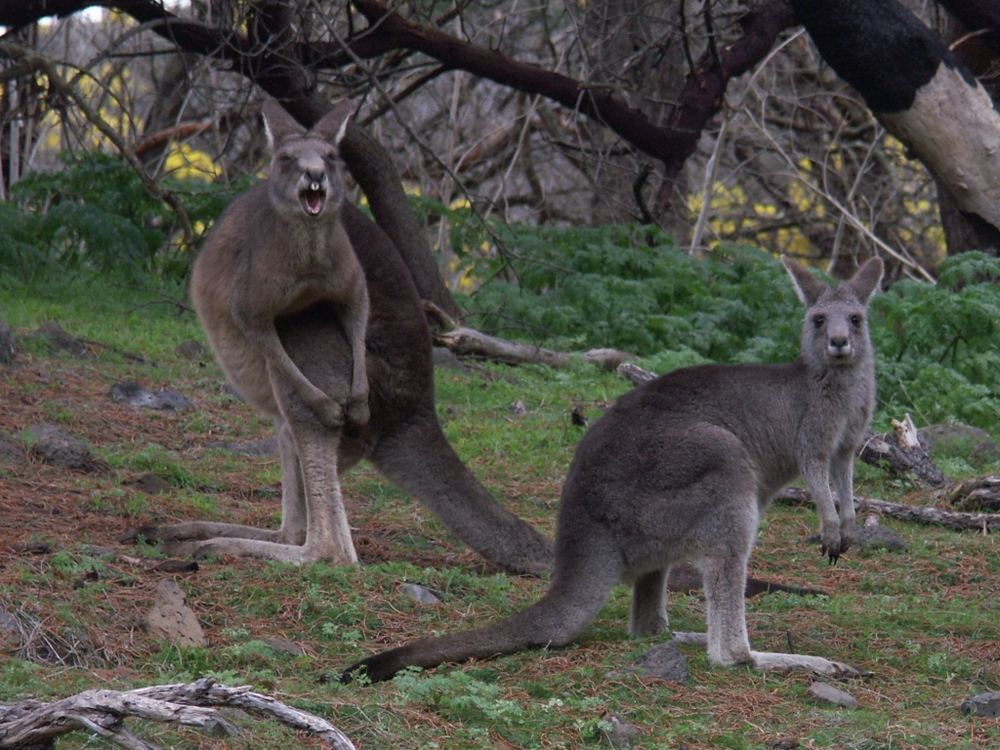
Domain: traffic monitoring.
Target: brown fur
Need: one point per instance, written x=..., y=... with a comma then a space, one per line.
x=285, y=298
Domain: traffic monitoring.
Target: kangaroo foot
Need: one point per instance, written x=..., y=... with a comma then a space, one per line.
x=199, y=530
x=289, y=553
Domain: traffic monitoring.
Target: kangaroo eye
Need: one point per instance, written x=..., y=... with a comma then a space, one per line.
x=819, y=320
x=856, y=321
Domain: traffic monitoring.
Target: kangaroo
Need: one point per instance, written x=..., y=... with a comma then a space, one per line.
x=679, y=470
x=315, y=320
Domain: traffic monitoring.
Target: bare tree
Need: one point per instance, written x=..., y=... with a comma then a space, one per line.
x=708, y=117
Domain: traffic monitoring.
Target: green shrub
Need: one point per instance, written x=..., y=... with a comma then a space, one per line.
x=95, y=216
x=629, y=287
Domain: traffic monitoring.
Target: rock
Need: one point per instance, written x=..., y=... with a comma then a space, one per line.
x=962, y=439
x=172, y=619
x=177, y=566
x=284, y=646
x=620, y=734
x=54, y=446
x=6, y=344
x=149, y=483
x=445, y=358
x=263, y=447
x=60, y=341
x=984, y=704
x=131, y=393
x=829, y=694
x=98, y=551
x=12, y=453
x=873, y=536
x=519, y=408
x=32, y=548
x=193, y=350
x=420, y=594
x=664, y=661
x=784, y=743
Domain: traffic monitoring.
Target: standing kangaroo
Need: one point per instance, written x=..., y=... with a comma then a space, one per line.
x=679, y=470
x=280, y=288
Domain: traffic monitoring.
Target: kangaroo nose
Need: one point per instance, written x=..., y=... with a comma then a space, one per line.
x=316, y=176
x=838, y=342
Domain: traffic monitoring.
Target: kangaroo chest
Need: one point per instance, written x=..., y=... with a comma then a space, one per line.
x=839, y=418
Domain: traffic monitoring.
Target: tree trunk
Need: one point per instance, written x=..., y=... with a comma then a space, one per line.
x=922, y=94
x=978, y=52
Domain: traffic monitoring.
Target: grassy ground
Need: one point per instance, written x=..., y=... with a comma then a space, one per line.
x=924, y=622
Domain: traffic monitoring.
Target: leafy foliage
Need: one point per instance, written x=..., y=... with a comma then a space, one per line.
x=95, y=215
x=939, y=346
x=629, y=287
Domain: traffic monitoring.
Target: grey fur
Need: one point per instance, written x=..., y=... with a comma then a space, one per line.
x=679, y=470
x=282, y=289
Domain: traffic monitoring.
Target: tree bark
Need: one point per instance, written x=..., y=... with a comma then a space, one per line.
x=978, y=494
x=33, y=723
x=921, y=93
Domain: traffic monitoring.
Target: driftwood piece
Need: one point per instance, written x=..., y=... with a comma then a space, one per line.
x=984, y=522
x=903, y=454
x=32, y=723
x=978, y=494
x=466, y=341
x=635, y=374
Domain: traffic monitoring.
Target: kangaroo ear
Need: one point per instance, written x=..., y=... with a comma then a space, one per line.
x=867, y=279
x=807, y=286
x=333, y=125
x=278, y=124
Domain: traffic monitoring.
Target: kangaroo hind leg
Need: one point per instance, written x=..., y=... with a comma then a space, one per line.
x=649, y=604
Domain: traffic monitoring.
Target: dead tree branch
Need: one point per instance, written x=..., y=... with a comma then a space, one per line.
x=32, y=723
x=984, y=522
x=472, y=343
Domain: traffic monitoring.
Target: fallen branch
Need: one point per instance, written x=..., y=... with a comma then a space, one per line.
x=33, y=723
x=902, y=454
x=470, y=342
x=981, y=493
x=984, y=522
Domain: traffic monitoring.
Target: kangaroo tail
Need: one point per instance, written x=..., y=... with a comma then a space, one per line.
x=417, y=457
x=555, y=620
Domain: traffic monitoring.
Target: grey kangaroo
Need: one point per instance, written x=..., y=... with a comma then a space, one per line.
x=679, y=470
x=280, y=288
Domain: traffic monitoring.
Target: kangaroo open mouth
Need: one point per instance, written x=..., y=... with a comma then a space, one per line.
x=313, y=198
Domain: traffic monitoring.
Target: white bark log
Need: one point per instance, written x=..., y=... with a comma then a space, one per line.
x=193, y=704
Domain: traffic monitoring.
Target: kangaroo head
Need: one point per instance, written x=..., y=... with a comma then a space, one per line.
x=835, y=331
x=305, y=176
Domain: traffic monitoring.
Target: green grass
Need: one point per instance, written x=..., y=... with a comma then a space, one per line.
x=923, y=622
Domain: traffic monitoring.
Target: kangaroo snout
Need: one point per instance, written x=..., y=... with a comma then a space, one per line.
x=839, y=346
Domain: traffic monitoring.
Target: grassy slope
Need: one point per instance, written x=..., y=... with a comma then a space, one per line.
x=924, y=622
